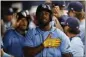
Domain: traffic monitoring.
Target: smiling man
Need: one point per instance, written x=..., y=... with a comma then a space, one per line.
x=14, y=38
x=58, y=43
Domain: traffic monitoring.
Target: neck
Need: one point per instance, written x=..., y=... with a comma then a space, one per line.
x=72, y=35
x=22, y=32
x=46, y=28
x=81, y=20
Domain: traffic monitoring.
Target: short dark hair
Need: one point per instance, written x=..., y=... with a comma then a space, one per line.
x=73, y=31
x=80, y=15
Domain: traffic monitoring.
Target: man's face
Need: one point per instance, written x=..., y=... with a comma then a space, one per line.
x=56, y=11
x=71, y=13
x=22, y=24
x=66, y=30
x=44, y=18
x=9, y=17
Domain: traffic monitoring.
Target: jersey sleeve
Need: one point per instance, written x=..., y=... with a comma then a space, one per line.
x=7, y=39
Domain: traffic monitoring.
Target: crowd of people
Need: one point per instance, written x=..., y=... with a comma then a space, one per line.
x=57, y=32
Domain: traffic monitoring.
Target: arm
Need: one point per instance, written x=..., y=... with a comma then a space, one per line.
x=67, y=55
x=57, y=24
x=29, y=49
x=32, y=51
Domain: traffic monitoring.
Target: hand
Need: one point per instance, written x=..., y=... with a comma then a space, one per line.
x=51, y=42
x=55, y=42
x=3, y=54
x=46, y=42
x=56, y=11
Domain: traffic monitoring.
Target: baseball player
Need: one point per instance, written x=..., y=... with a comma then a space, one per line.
x=75, y=9
x=59, y=12
x=7, y=17
x=36, y=37
x=72, y=29
x=14, y=38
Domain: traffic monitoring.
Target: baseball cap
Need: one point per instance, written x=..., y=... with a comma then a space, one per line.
x=21, y=14
x=42, y=7
x=63, y=19
x=76, y=6
x=59, y=3
x=73, y=23
x=8, y=11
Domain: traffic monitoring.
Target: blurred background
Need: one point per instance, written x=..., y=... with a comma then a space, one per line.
x=25, y=5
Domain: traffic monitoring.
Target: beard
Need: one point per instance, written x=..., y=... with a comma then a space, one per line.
x=43, y=23
x=22, y=28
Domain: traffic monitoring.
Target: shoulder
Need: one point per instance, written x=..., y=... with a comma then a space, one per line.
x=56, y=29
x=77, y=41
x=59, y=31
x=33, y=30
x=61, y=34
x=10, y=31
x=9, y=34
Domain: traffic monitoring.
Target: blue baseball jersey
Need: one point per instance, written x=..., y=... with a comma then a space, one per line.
x=36, y=36
x=82, y=31
x=77, y=47
x=13, y=43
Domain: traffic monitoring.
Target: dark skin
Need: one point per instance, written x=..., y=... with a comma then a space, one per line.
x=33, y=51
x=21, y=26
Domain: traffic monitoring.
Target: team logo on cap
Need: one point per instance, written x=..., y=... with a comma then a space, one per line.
x=44, y=6
x=24, y=14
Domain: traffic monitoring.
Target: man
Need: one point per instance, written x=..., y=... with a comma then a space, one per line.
x=6, y=23
x=14, y=38
x=75, y=9
x=2, y=53
x=59, y=12
x=39, y=35
x=72, y=29
x=55, y=21
x=7, y=18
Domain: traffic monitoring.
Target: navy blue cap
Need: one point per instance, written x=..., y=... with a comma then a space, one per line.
x=76, y=6
x=21, y=14
x=8, y=11
x=42, y=7
x=72, y=22
x=63, y=19
x=59, y=3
